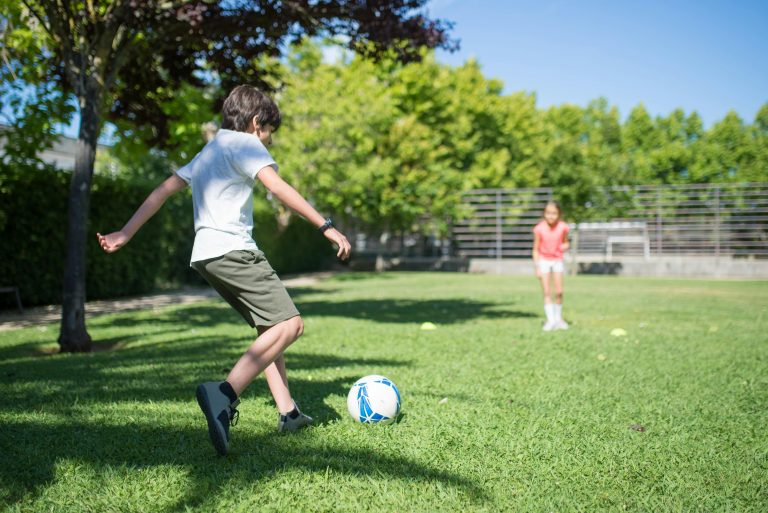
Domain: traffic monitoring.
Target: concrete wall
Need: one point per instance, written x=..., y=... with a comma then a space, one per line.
x=692, y=267
x=379, y=264
x=689, y=266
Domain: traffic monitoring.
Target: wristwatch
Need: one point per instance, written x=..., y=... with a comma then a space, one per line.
x=327, y=224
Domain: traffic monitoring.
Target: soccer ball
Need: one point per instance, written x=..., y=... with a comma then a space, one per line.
x=374, y=400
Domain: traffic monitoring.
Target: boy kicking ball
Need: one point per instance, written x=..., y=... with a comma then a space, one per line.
x=222, y=177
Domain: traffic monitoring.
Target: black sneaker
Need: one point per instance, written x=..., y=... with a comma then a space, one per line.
x=292, y=421
x=219, y=412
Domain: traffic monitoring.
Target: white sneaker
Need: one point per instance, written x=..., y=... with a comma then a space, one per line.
x=561, y=325
x=549, y=326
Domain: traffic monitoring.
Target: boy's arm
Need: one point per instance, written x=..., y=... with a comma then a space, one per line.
x=293, y=200
x=115, y=240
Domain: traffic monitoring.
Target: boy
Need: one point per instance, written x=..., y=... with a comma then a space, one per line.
x=222, y=176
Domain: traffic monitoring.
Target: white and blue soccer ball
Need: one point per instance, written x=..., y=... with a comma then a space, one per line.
x=374, y=400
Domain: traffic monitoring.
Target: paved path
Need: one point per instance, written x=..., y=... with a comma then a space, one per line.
x=41, y=315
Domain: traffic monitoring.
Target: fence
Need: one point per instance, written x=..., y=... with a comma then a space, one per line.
x=645, y=221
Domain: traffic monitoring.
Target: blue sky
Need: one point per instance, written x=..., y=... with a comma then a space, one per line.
x=708, y=56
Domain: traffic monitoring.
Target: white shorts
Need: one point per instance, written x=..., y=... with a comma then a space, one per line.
x=550, y=266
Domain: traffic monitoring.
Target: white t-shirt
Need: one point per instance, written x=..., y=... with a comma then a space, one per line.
x=222, y=176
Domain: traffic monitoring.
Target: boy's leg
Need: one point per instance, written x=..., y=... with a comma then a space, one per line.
x=277, y=379
x=218, y=400
x=289, y=417
x=247, y=282
x=263, y=352
x=280, y=366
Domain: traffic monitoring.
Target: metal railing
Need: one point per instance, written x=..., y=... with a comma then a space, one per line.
x=501, y=222
x=647, y=221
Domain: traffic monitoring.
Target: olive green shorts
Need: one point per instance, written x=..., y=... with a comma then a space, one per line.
x=246, y=281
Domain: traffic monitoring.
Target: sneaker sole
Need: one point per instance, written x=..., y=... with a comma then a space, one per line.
x=218, y=438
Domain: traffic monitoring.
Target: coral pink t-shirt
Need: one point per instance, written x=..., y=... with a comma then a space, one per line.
x=551, y=239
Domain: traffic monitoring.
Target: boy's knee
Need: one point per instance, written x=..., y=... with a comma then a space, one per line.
x=296, y=326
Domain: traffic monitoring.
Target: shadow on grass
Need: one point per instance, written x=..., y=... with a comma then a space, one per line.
x=167, y=371
x=361, y=276
x=442, y=311
x=65, y=384
x=36, y=449
x=199, y=315
x=145, y=370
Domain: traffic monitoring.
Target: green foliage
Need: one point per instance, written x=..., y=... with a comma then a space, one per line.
x=187, y=109
x=33, y=202
x=387, y=146
x=33, y=106
x=392, y=145
x=31, y=236
x=135, y=59
x=294, y=247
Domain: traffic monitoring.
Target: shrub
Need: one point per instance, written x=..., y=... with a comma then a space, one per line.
x=33, y=206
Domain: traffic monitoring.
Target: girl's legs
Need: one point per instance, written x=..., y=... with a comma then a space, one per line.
x=558, y=279
x=264, y=351
x=545, y=287
x=548, y=306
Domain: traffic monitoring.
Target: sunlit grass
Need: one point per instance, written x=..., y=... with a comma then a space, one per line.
x=497, y=416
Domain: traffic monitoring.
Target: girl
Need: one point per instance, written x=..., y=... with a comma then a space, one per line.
x=550, y=240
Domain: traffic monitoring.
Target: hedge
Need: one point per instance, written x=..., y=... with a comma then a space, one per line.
x=33, y=205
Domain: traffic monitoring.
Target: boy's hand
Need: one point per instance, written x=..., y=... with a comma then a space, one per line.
x=112, y=241
x=341, y=241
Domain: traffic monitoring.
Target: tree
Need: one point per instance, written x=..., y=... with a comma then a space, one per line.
x=724, y=153
x=640, y=137
x=124, y=59
x=336, y=119
x=758, y=172
x=577, y=155
x=394, y=145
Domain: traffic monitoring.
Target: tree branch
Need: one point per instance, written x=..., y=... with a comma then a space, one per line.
x=59, y=35
x=113, y=23
x=39, y=19
x=124, y=40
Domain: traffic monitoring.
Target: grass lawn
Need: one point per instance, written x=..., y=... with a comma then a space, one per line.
x=497, y=416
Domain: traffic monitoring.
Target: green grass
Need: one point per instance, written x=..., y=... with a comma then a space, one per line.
x=497, y=416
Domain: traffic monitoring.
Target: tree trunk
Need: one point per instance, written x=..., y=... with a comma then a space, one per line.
x=74, y=337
